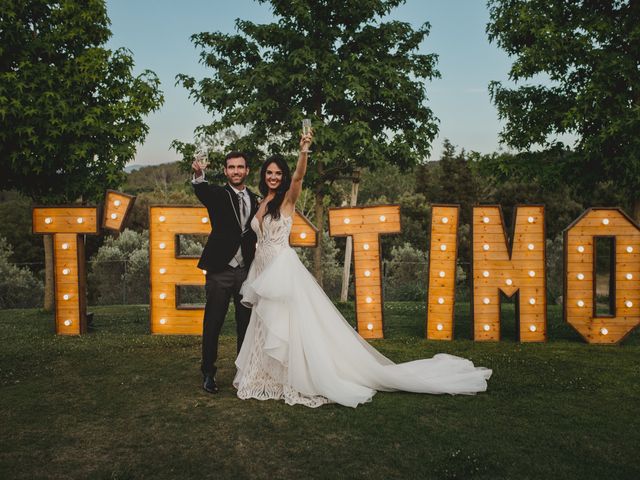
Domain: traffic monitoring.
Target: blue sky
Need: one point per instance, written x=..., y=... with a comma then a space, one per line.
x=157, y=32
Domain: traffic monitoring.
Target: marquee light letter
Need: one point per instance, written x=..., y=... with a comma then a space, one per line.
x=116, y=209
x=579, y=271
x=521, y=269
x=443, y=254
x=168, y=270
x=68, y=225
x=365, y=224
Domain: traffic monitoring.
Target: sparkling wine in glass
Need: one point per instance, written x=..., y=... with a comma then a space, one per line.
x=306, y=126
x=202, y=158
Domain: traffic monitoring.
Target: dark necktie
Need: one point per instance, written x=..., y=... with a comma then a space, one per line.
x=243, y=209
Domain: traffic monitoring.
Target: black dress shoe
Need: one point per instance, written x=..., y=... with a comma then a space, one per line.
x=210, y=384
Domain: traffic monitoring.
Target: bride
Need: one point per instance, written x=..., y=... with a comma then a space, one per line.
x=298, y=347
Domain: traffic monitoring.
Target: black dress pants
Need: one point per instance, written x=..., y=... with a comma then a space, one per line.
x=220, y=287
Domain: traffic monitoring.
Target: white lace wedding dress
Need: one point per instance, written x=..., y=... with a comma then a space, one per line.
x=299, y=348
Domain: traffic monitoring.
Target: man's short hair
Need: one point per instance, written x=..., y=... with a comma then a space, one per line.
x=236, y=155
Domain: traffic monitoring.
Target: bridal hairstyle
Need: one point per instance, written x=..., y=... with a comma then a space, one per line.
x=273, y=207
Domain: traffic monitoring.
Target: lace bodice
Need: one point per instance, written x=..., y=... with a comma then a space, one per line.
x=272, y=238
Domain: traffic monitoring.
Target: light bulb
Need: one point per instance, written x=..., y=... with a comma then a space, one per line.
x=303, y=235
x=485, y=274
x=508, y=281
x=117, y=203
x=441, y=274
x=486, y=300
x=163, y=296
x=532, y=328
x=162, y=245
x=67, y=323
x=486, y=219
x=80, y=220
x=163, y=321
x=445, y=220
x=48, y=220
x=629, y=276
x=347, y=221
x=628, y=304
x=580, y=248
x=367, y=273
x=580, y=276
x=204, y=220
x=162, y=218
x=531, y=219
x=440, y=300
x=532, y=273
x=65, y=246
x=66, y=296
x=439, y=327
x=66, y=271
x=204, y=272
x=486, y=247
x=580, y=303
x=443, y=247
x=605, y=221
x=532, y=301
x=365, y=246
x=114, y=216
x=629, y=249
x=382, y=218
x=162, y=271
x=370, y=326
x=530, y=246
x=369, y=299
x=604, y=331
x=486, y=327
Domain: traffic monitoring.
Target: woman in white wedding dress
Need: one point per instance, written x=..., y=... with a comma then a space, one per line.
x=298, y=347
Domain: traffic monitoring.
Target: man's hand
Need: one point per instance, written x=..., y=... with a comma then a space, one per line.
x=198, y=168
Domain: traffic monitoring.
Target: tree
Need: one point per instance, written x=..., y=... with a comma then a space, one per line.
x=358, y=77
x=71, y=111
x=590, y=51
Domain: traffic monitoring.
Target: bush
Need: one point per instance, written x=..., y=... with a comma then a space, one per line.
x=19, y=288
x=406, y=277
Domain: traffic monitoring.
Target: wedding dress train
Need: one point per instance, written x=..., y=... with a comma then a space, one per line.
x=299, y=348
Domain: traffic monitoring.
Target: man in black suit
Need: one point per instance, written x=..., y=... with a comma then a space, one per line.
x=227, y=255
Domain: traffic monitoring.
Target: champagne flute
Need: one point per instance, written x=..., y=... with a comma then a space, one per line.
x=306, y=129
x=202, y=158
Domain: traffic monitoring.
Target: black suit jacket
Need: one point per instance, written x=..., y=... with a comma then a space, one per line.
x=226, y=232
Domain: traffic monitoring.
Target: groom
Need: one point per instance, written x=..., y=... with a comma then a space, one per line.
x=227, y=255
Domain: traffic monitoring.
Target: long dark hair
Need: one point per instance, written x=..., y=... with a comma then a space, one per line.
x=273, y=207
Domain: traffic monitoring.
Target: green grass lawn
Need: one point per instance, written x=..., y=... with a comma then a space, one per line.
x=120, y=403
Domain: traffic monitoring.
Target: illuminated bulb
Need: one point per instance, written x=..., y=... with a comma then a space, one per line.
x=628, y=304
x=439, y=327
x=486, y=220
x=163, y=296
x=382, y=218
x=80, y=220
x=163, y=271
x=486, y=328
x=66, y=271
x=369, y=299
x=532, y=273
x=580, y=303
x=486, y=301
x=485, y=274
x=486, y=247
x=365, y=246
x=441, y=274
x=48, y=220
x=303, y=235
x=117, y=203
x=162, y=246
x=605, y=221
x=67, y=323
x=347, y=221
x=440, y=300
x=530, y=246
x=445, y=220
x=114, y=216
x=604, y=331
x=66, y=296
x=580, y=276
x=532, y=301
x=508, y=281
x=629, y=249
x=204, y=272
x=65, y=246
x=629, y=276
x=532, y=328
x=204, y=220
x=531, y=219
x=162, y=218
x=443, y=247
x=370, y=326
x=580, y=248
x=163, y=321
x=367, y=273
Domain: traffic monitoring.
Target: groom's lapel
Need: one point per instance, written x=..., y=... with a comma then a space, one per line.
x=233, y=198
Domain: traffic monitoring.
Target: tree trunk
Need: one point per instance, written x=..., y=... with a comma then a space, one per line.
x=636, y=210
x=317, y=255
x=49, y=297
x=346, y=269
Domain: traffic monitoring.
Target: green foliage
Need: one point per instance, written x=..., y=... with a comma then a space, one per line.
x=332, y=264
x=406, y=274
x=71, y=111
x=590, y=52
x=359, y=78
x=18, y=286
x=15, y=226
x=119, y=271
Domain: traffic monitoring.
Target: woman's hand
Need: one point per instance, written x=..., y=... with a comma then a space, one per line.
x=305, y=141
